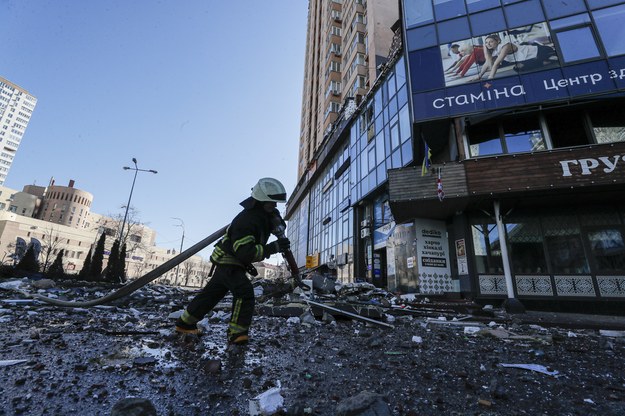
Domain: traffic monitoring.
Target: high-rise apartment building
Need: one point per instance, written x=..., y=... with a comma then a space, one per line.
x=16, y=108
x=346, y=42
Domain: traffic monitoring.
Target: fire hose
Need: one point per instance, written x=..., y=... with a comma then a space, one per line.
x=279, y=229
x=143, y=280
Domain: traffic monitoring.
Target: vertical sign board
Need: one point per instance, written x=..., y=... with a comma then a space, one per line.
x=461, y=257
x=391, y=276
x=433, y=257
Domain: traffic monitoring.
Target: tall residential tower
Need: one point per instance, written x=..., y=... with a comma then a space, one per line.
x=16, y=107
x=346, y=41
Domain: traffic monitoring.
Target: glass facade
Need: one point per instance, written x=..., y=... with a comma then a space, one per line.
x=563, y=241
x=379, y=138
x=541, y=50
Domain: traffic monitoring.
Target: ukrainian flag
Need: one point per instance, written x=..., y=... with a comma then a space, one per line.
x=427, y=162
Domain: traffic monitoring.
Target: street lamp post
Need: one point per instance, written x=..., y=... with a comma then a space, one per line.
x=137, y=170
x=181, y=241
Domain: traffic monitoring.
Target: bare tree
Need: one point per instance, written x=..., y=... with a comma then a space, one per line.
x=187, y=269
x=51, y=244
x=134, y=231
x=204, y=270
x=135, y=236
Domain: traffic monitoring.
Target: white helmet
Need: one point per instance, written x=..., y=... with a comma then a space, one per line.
x=269, y=190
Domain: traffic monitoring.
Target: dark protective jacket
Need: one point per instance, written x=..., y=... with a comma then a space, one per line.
x=245, y=239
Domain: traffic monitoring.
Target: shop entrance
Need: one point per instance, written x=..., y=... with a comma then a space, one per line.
x=379, y=268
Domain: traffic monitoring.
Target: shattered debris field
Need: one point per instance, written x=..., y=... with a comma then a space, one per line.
x=435, y=360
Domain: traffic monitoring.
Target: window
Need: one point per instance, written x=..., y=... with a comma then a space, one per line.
x=379, y=147
x=525, y=240
x=507, y=136
x=566, y=128
x=577, y=44
x=446, y=9
x=486, y=246
x=394, y=133
x=610, y=25
x=418, y=12
x=564, y=244
x=452, y=30
x=371, y=158
x=135, y=238
x=487, y=22
x=334, y=88
x=523, y=135
x=477, y=5
x=405, y=125
x=421, y=37
x=596, y=4
x=559, y=8
x=575, y=37
x=608, y=124
x=608, y=249
x=524, y=13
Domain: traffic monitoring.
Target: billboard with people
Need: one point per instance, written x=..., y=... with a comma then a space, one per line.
x=520, y=50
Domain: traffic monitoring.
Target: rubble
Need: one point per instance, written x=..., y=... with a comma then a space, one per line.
x=434, y=357
x=267, y=403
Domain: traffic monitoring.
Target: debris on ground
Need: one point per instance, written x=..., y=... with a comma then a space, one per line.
x=433, y=357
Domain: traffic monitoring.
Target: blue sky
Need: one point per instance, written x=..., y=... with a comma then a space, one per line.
x=208, y=93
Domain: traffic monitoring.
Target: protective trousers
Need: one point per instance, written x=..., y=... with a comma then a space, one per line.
x=227, y=278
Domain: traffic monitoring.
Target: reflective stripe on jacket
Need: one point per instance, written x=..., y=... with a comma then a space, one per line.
x=245, y=238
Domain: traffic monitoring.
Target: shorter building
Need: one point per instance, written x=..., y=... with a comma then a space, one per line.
x=65, y=205
x=56, y=218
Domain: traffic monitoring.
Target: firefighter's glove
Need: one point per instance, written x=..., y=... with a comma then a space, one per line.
x=279, y=246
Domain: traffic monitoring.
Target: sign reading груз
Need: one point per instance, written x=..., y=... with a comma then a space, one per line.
x=587, y=166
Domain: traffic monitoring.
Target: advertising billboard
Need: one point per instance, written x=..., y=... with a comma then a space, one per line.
x=500, y=54
x=473, y=60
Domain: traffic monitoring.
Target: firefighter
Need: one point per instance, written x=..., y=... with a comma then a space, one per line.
x=244, y=243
